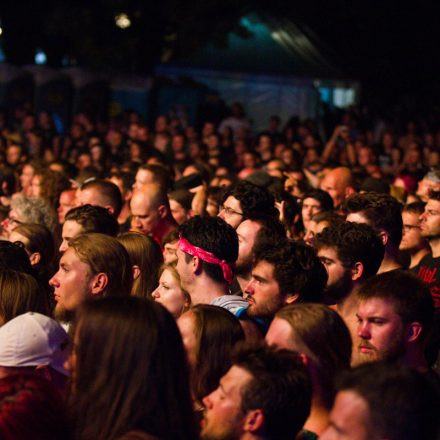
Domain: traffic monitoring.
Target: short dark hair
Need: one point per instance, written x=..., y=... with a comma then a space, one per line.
x=109, y=193
x=162, y=175
x=127, y=179
x=415, y=208
x=280, y=387
x=434, y=195
x=271, y=228
x=381, y=210
x=214, y=235
x=354, y=242
x=297, y=268
x=253, y=199
x=323, y=197
x=403, y=403
x=411, y=297
x=94, y=218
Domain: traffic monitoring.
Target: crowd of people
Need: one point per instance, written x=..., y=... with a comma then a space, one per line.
x=181, y=282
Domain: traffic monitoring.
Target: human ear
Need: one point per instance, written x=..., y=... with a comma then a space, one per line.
x=35, y=258
x=357, y=270
x=99, y=283
x=253, y=421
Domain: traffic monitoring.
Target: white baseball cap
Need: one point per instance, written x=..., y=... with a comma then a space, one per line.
x=33, y=339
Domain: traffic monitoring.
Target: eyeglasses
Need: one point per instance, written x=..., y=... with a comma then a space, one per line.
x=229, y=211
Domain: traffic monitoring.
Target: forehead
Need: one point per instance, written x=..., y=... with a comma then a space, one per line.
x=140, y=203
x=264, y=269
x=88, y=196
x=410, y=217
x=311, y=202
x=432, y=205
x=248, y=229
x=378, y=307
x=350, y=414
x=71, y=257
x=67, y=196
x=236, y=378
x=232, y=202
x=71, y=228
x=328, y=252
x=280, y=334
x=357, y=217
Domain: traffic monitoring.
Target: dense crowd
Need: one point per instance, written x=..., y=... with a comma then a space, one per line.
x=181, y=282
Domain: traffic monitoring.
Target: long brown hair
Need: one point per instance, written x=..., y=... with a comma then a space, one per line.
x=145, y=253
x=217, y=331
x=129, y=372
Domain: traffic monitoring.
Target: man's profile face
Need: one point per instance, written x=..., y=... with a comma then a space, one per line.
x=144, y=216
x=184, y=269
x=231, y=212
x=71, y=229
x=72, y=283
x=246, y=232
x=411, y=234
x=339, y=280
x=349, y=418
x=381, y=332
x=263, y=291
x=331, y=185
x=223, y=416
x=67, y=201
x=430, y=220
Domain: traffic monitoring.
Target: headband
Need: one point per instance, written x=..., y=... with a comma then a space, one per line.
x=209, y=257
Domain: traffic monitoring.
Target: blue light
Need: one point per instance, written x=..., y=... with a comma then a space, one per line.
x=40, y=57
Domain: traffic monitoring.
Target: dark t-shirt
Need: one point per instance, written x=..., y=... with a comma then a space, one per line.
x=428, y=270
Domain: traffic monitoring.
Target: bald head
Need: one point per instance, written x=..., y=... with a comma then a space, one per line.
x=339, y=184
x=149, y=208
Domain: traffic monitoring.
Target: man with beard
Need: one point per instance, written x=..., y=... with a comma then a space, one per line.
x=93, y=266
x=395, y=313
x=351, y=253
x=250, y=232
x=284, y=272
x=428, y=268
x=265, y=395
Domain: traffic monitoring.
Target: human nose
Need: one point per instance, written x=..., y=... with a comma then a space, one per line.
x=221, y=213
x=155, y=294
x=63, y=246
x=249, y=289
x=53, y=282
x=207, y=400
x=364, y=330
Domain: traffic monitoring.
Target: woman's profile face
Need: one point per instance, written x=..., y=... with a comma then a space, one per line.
x=170, y=294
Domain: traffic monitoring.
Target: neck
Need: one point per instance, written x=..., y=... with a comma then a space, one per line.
x=414, y=358
x=204, y=290
x=124, y=214
x=389, y=262
x=417, y=255
x=164, y=228
x=318, y=419
x=434, y=243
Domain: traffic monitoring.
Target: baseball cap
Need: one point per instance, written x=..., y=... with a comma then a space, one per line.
x=33, y=339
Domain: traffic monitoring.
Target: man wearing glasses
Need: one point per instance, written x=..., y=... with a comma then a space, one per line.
x=244, y=200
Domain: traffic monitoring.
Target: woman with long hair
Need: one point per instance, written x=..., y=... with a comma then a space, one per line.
x=209, y=334
x=128, y=373
x=146, y=258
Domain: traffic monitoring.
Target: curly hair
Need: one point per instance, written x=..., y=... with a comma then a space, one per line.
x=253, y=199
x=297, y=268
x=94, y=218
x=382, y=211
x=52, y=184
x=280, y=387
x=35, y=210
x=214, y=235
x=353, y=242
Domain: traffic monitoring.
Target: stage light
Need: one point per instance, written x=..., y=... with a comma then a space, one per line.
x=122, y=21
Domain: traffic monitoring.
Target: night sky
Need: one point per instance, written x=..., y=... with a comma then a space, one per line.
x=392, y=49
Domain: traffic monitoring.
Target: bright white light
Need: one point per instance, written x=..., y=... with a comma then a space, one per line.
x=1, y=30
x=122, y=21
x=40, y=57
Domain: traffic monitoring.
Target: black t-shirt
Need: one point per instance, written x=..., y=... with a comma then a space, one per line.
x=428, y=270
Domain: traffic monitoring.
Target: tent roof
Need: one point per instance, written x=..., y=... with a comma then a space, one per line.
x=277, y=46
